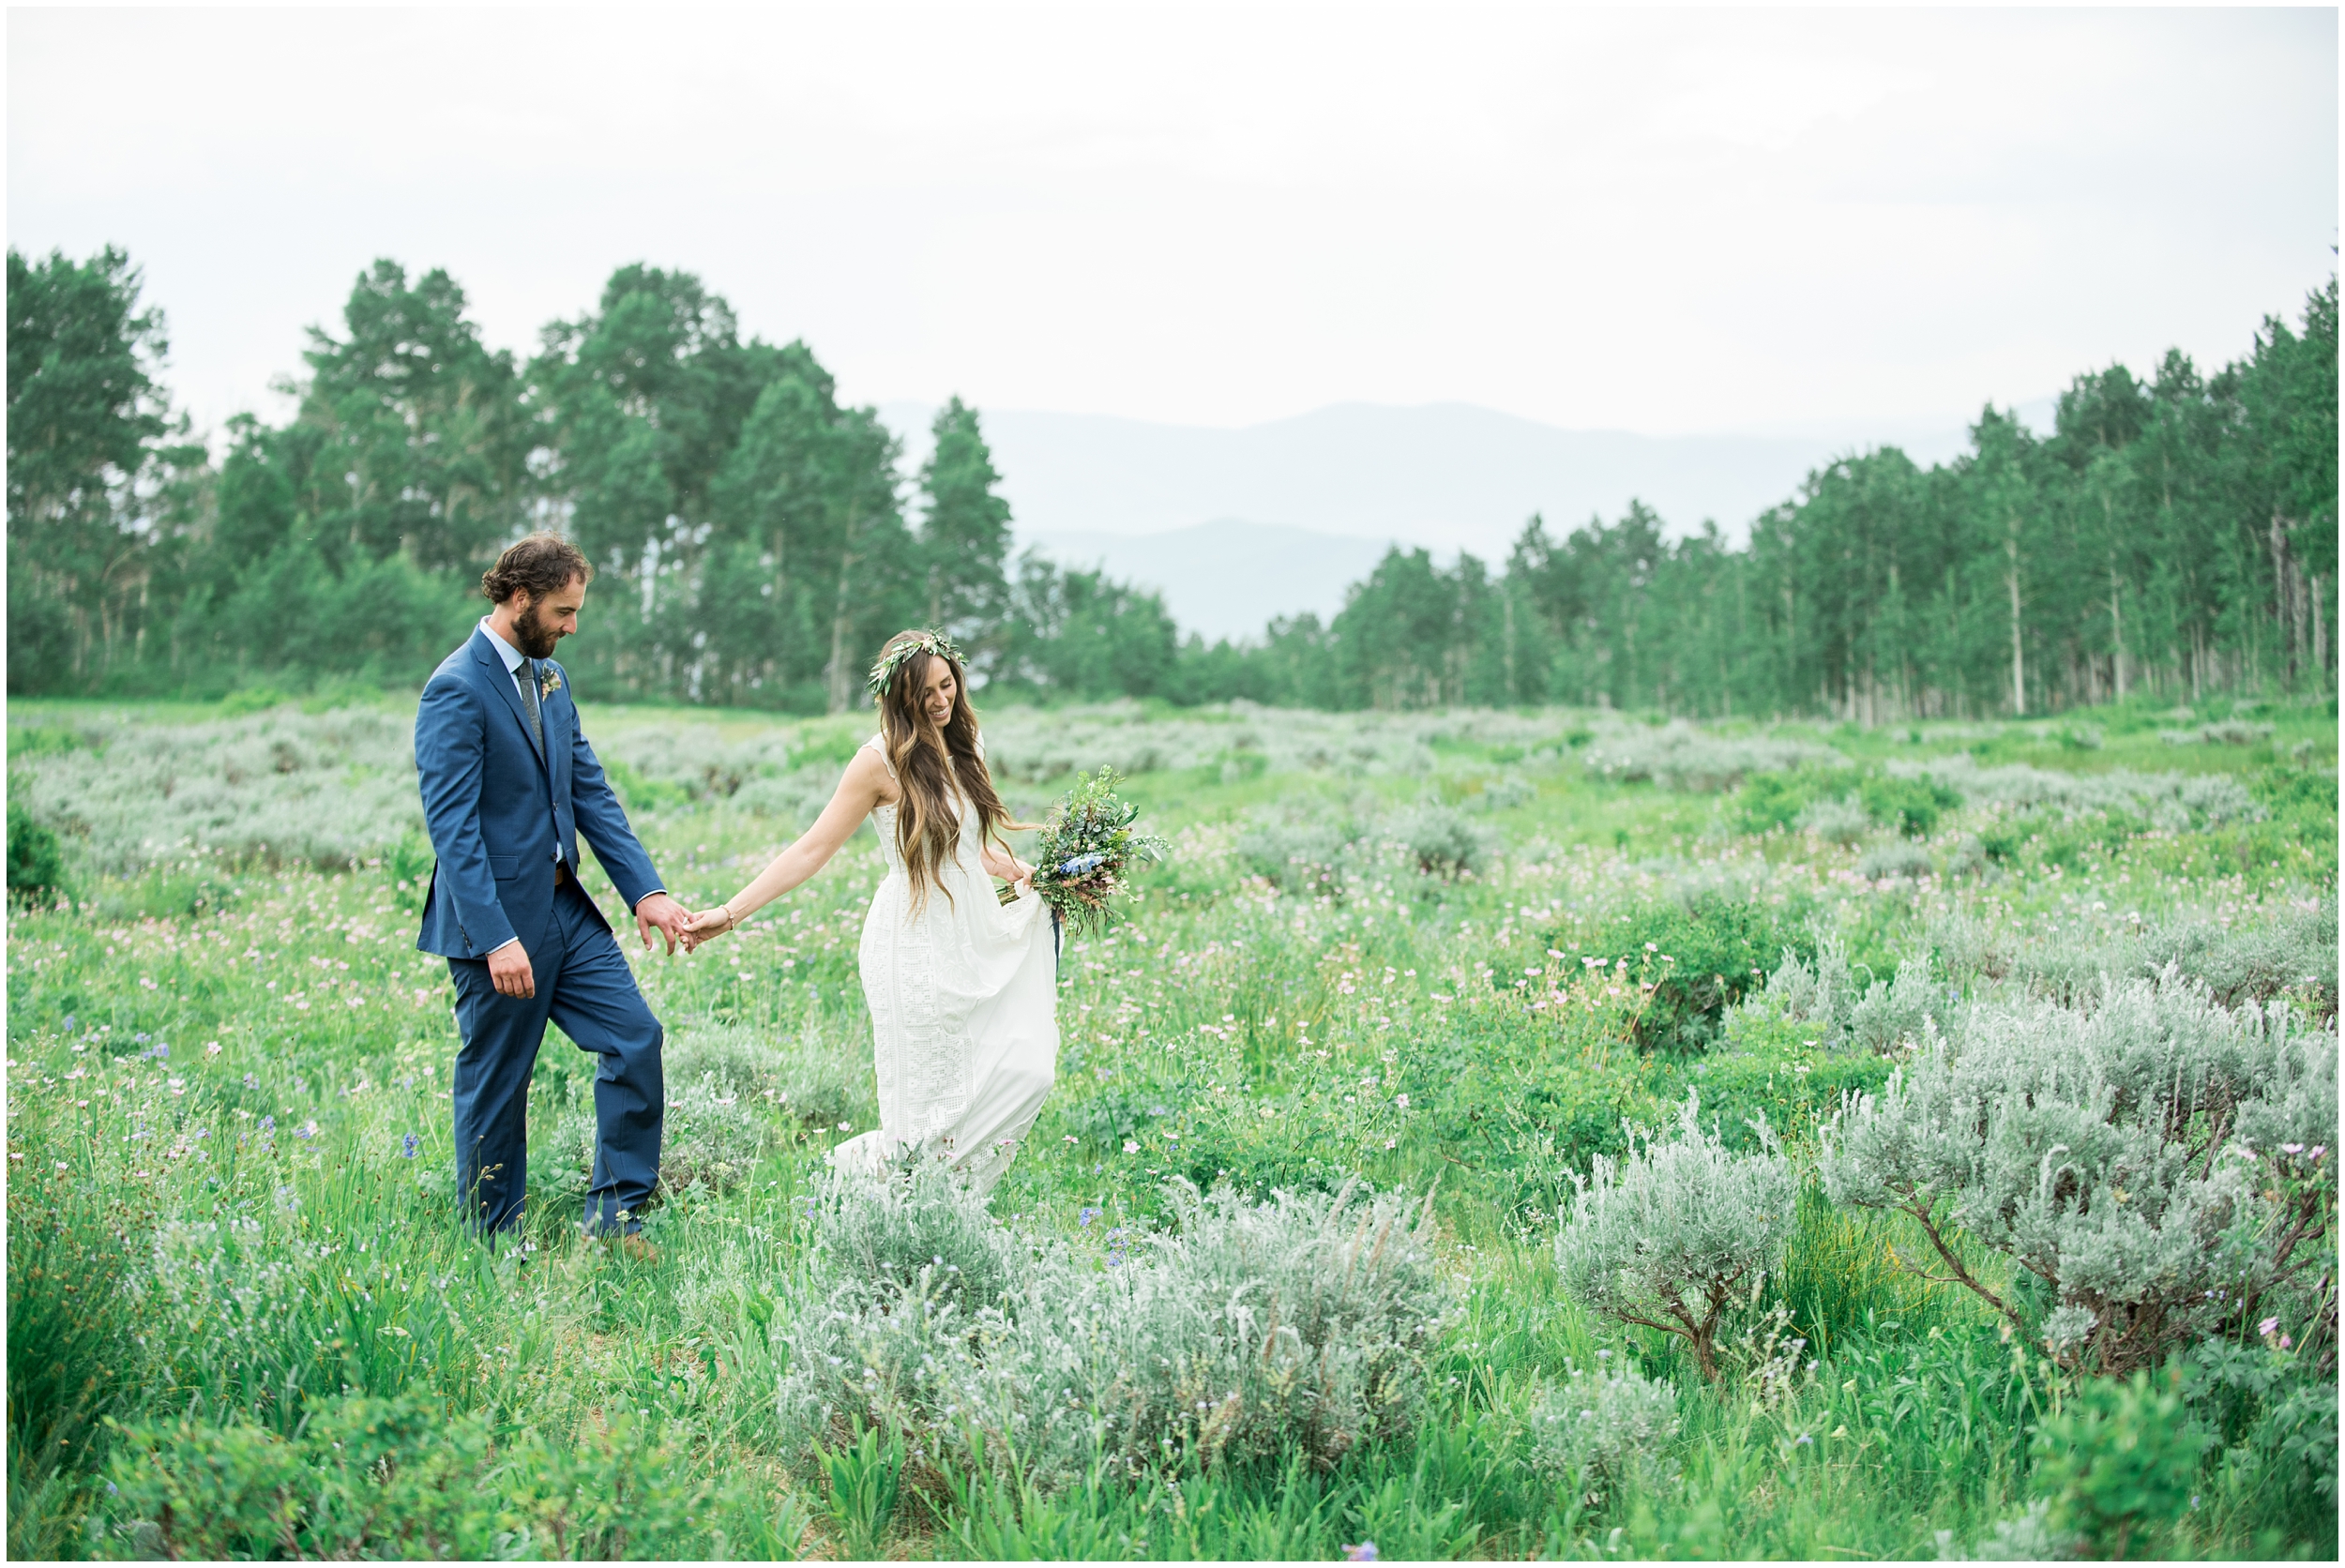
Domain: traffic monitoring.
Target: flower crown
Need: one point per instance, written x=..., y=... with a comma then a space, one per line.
x=895, y=653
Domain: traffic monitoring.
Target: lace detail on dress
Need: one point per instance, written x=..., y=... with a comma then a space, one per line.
x=964, y=1004
x=921, y=1054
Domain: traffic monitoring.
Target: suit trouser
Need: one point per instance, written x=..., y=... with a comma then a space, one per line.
x=585, y=987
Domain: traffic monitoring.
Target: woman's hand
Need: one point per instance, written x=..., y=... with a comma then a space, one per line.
x=707, y=926
x=1002, y=864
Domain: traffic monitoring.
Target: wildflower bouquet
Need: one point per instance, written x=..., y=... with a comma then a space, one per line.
x=1086, y=851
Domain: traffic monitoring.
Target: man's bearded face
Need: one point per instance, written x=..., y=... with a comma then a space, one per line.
x=536, y=636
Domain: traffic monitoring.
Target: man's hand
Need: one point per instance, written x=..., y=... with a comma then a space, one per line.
x=510, y=973
x=662, y=913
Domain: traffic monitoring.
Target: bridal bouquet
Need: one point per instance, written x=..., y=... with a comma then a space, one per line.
x=1087, y=849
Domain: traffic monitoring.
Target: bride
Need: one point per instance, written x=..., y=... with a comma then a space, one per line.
x=962, y=988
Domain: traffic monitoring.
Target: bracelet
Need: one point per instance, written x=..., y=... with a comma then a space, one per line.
x=730, y=921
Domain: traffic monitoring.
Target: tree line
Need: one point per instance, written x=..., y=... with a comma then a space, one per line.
x=755, y=537
x=2172, y=536
x=750, y=531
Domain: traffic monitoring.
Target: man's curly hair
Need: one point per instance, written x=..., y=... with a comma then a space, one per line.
x=538, y=564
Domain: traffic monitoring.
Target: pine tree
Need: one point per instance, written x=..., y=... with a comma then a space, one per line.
x=965, y=529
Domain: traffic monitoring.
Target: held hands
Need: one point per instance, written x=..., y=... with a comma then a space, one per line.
x=662, y=913
x=707, y=926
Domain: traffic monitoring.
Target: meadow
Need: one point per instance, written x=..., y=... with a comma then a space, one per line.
x=1492, y=1134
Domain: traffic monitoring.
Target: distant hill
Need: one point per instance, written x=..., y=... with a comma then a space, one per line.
x=1448, y=475
x=1227, y=577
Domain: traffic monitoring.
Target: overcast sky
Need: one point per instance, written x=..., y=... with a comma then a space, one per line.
x=1664, y=223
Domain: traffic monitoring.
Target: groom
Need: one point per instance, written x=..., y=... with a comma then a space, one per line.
x=510, y=784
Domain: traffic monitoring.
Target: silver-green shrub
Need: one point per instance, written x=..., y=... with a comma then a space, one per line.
x=1665, y=1236
x=735, y=1059
x=1444, y=841
x=799, y=794
x=284, y=787
x=1310, y=853
x=2158, y=1161
x=711, y=1138
x=2290, y=950
x=819, y=1077
x=703, y=761
x=1969, y=948
x=2296, y=950
x=1895, y=1013
x=2229, y=731
x=2217, y=798
x=2026, y=1537
x=1601, y=1433
x=2169, y=800
x=1304, y=857
x=1677, y=756
x=1302, y=1324
x=1969, y=856
x=1900, y=859
x=288, y=787
x=713, y=1133
x=1843, y=821
x=1822, y=993
x=1875, y=1016
x=1503, y=793
x=876, y=1238
x=1030, y=746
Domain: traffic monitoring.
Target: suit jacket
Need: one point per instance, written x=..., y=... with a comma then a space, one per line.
x=495, y=806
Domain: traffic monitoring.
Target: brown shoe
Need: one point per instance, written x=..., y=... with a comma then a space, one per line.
x=637, y=1249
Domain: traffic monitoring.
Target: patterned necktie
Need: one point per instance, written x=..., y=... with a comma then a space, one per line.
x=528, y=673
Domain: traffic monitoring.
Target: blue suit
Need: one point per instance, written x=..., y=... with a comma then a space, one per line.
x=497, y=806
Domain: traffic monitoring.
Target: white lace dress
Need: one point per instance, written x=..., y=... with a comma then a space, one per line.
x=964, y=1021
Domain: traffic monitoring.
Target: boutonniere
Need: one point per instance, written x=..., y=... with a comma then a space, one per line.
x=549, y=682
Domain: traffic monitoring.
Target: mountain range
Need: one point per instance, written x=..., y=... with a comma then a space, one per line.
x=1236, y=525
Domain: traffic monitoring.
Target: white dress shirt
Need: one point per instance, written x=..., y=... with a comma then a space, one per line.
x=514, y=658
x=516, y=665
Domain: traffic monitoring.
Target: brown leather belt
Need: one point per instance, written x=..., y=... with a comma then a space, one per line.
x=562, y=873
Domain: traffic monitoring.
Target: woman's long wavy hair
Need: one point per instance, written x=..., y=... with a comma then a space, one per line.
x=928, y=759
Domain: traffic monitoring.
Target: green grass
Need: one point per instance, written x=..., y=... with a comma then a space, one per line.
x=237, y=1235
